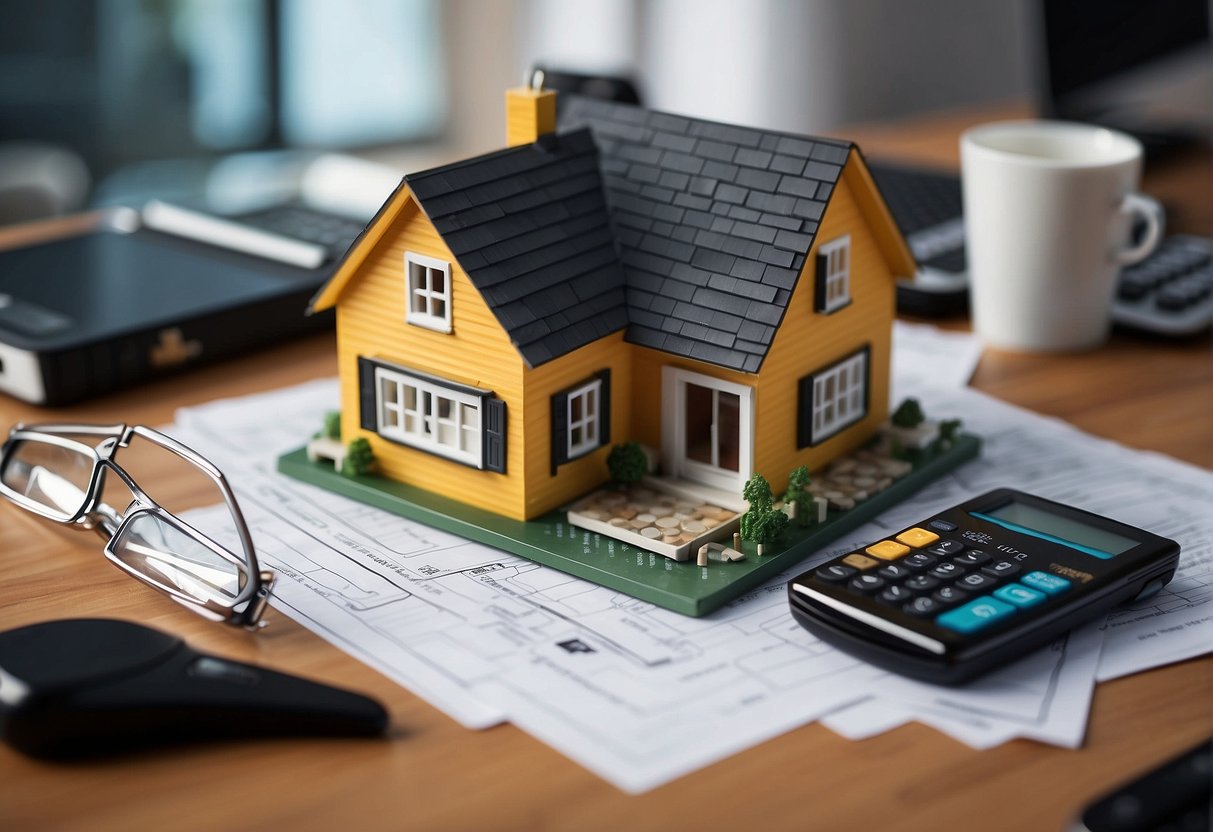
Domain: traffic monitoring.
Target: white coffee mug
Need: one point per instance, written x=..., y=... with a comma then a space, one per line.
x=1048, y=209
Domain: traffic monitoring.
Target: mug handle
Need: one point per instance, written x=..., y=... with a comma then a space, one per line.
x=1149, y=210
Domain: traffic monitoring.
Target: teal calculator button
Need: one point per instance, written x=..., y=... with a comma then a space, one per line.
x=1046, y=583
x=975, y=615
x=1019, y=595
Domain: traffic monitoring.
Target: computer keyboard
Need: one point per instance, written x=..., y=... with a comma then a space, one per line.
x=333, y=233
x=1171, y=291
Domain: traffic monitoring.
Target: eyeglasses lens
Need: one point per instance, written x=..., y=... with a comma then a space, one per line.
x=160, y=550
x=55, y=477
x=174, y=483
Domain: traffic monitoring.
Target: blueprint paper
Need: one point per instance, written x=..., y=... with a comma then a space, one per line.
x=635, y=693
x=486, y=636
x=924, y=356
x=1046, y=695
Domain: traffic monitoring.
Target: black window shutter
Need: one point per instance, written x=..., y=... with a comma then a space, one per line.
x=804, y=412
x=494, y=435
x=819, y=284
x=604, y=407
x=368, y=415
x=560, y=430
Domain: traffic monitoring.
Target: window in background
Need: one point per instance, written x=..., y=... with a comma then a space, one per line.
x=132, y=82
x=357, y=73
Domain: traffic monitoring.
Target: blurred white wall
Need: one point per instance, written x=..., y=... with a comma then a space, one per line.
x=800, y=65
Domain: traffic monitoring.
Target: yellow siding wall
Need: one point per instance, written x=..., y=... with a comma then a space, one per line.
x=809, y=341
x=371, y=322
x=574, y=478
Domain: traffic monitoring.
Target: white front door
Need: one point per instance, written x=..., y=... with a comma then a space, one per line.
x=707, y=429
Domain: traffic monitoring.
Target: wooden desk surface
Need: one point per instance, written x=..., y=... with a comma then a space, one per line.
x=433, y=774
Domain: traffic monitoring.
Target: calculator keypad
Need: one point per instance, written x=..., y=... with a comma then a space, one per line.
x=960, y=588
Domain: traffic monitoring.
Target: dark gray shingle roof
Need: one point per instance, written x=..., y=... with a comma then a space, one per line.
x=713, y=224
x=529, y=225
x=690, y=233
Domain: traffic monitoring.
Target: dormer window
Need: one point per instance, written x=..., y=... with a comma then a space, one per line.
x=428, y=284
x=834, y=275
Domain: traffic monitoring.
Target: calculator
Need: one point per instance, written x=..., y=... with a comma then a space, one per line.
x=973, y=587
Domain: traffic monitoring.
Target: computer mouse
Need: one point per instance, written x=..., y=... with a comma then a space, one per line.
x=92, y=687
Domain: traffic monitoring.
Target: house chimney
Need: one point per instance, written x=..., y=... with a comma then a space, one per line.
x=530, y=111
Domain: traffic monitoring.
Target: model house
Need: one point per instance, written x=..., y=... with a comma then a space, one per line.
x=723, y=295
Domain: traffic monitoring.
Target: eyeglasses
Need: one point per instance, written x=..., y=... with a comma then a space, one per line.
x=62, y=472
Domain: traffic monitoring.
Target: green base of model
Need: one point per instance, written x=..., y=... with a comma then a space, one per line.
x=680, y=586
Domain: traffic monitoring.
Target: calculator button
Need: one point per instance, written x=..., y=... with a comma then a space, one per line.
x=860, y=561
x=895, y=595
x=973, y=557
x=975, y=615
x=917, y=537
x=942, y=525
x=922, y=606
x=947, y=571
x=866, y=583
x=920, y=560
x=948, y=595
x=888, y=550
x=894, y=571
x=835, y=573
x=947, y=547
x=1019, y=595
x=975, y=581
x=1046, y=583
x=921, y=583
x=1001, y=569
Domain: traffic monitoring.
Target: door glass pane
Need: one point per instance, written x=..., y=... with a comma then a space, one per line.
x=728, y=431
x=698, y=423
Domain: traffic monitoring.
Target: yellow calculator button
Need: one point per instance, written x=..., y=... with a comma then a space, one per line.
x=917, y=537
x=859, y=561
x=887, y=550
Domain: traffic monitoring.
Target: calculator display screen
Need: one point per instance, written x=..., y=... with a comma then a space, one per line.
x=1038, y=522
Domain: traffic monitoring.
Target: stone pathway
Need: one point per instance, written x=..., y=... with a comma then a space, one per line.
x=651, y=520
x=858, y=476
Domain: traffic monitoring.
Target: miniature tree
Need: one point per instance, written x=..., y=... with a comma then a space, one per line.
x=947, y=432
x=332, y=425
x=798, y=494
x=627, y=463
x=359, y=458
x=762, y=523
x=908, y=414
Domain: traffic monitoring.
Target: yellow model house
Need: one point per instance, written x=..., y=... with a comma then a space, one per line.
x=720, y=293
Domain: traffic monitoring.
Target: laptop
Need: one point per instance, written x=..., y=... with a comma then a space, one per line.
x=217, y=140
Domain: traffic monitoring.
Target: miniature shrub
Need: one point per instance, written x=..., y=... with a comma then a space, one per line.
x=762, y=523
x=908, y=414
x=359, y=458
x=627, y=463
x=332, y=425
x=798, y=494
x=948, y=429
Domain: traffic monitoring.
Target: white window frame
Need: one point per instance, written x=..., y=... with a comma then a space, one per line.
x=420, y=297
x=417, y=420
x=837, y=254
x=590, y=395
x=840, y=396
